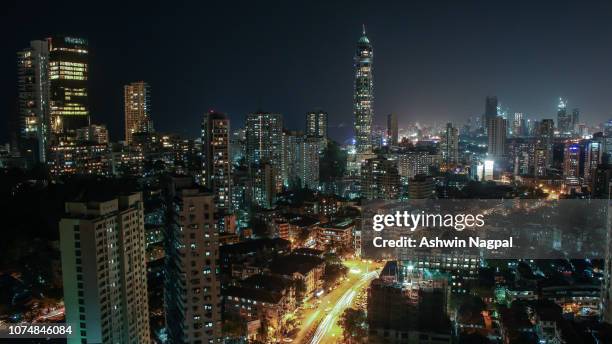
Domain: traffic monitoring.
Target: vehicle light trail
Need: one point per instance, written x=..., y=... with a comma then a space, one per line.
x=343, y=303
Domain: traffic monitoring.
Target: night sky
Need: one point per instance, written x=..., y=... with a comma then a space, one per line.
x=434, y=60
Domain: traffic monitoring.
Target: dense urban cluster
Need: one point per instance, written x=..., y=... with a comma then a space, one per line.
x=252, y=234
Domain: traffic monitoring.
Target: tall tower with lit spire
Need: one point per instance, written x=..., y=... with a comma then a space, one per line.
x=363, y=97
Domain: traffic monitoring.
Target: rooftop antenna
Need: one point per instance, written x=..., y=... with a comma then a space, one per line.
x=364, y=30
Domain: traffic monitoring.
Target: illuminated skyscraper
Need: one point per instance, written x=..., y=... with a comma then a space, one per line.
x=363, y=97
x=216, y=165
x=102, y=244
x=571, y=164
x=137, y=108
x=33, y=113
x=264, y=142
x=68, y=74
x=564, y=119
x=450, y=145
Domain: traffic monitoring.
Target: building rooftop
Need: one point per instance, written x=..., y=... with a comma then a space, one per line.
x=259, y=295
x=340, y=223
x=266, y=282
x=304, y=221
x=255, y=245
x=287, y=265
x=308, y=252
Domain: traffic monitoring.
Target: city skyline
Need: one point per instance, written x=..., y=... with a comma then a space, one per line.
x=413, y=75
x=212, y=174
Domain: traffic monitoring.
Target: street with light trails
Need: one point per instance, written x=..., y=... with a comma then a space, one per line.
x=321, y=315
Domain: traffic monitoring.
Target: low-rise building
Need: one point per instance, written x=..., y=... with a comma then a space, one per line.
x=261, y=297
x=302, y=268
x=335, y=235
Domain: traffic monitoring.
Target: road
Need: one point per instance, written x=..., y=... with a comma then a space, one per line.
x=55, y=314
x=321, y=315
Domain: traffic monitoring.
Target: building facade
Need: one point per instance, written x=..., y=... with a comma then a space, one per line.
x=68, y=75
x=137, y=109
x=496, y=133
x=216, y=165
x=264, y=142
x=564, y=119
x=363, y=96
x=102, y=245
x=33, y=121
x=380, y=179
x=571, y=164
x=192, y=287
x=450, y=145
x=414, y=162
x=316, y=126
x=392, y=130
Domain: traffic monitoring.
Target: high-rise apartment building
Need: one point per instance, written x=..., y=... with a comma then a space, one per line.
x=33, y=101
x=521, y=155
x=593, y=159
x=540, y=160
x=518, y=125
x=300, y=160
x=571, y=164
x=421, y=187
x=264, y=142
x=363, y=96
x=491, y=107
x=546, y=134
x=392, y=130
x=137, y=109
x=291, y=151
x=414, y=162
x=575, y=121
x=262, y=185
x=191, y=289
x=102, y=245
x=496, y=133
x=96, y=133
x=308, y=165
x=216, y=166
x=68, y=75
x=380, y=179
x=316, y=126
x=547, y=129
x=450, y=145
